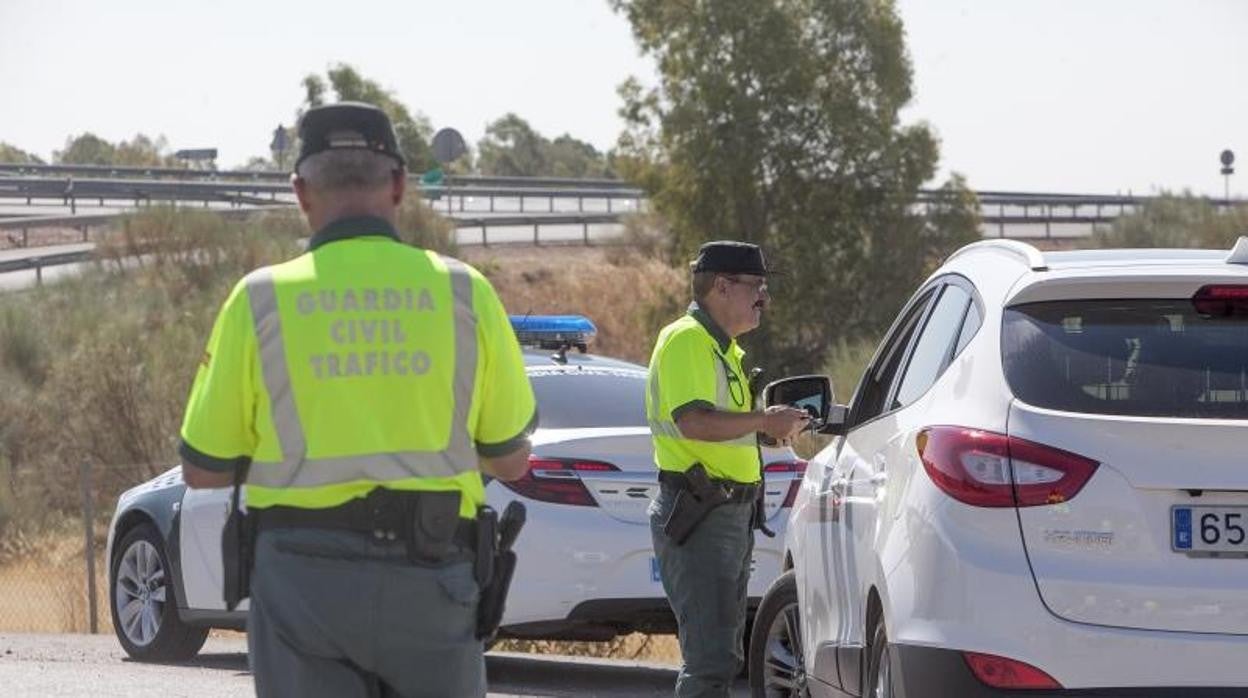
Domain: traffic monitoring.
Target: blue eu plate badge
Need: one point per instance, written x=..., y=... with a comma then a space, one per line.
x=1182, y=528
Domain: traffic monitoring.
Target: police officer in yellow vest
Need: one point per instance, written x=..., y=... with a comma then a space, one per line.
x=704, y=427
x=367, y=384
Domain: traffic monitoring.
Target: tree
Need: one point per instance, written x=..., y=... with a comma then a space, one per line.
x=256, y=162
x=512, y=148
x=776, y=122
x=140, y=151
x=571, y=157
x=412, y=129
x=87, y=149
x=1172, y=220
x=17, y=156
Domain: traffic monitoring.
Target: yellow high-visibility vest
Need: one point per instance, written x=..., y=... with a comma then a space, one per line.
x=696, y=365
x=362, y=362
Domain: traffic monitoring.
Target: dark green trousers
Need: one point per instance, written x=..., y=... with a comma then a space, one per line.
x=335, y=613
x=706, y=584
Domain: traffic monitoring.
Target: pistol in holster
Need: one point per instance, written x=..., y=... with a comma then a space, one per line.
x=238, y=543
x=496, y=563
x=758, y=521
x=692, y=504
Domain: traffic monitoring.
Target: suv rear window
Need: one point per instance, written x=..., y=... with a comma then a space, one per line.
x=1152, y=358
x=582, y=398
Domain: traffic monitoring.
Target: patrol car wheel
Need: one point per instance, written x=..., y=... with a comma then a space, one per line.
x=145, y=613
x=777, y=668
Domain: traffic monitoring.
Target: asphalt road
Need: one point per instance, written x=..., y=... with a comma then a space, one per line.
x=95, y=665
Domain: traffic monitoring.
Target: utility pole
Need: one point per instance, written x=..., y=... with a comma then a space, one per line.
x=1228, y=159
x=278, y=146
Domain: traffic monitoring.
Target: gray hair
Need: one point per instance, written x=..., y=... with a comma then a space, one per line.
x=339, y=170
x=703, y=282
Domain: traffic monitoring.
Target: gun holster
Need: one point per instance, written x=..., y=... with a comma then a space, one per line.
x=759, y=520
x=496, y=564
x=692, y=504
x=238, y=546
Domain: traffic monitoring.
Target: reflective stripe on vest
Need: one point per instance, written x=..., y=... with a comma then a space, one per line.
x=668, y=428
x=296, y=469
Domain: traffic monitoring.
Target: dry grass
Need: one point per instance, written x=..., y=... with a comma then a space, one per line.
x=628, y=297
x=46, y=589
x=39, y=237
x=662, y=649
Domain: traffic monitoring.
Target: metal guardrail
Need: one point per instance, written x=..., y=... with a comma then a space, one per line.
x=997, y=208
x=83, y=222
x=537, y=221
x=451, y=180
x=38, y=262
x=70, y=191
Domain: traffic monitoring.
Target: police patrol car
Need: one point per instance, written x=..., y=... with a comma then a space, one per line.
x=586, y=566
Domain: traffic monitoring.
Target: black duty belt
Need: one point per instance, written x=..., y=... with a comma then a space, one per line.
x=382, y=514
x=738, y=492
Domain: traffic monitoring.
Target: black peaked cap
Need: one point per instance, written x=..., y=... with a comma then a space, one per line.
x=347, y=126
x=731, y=257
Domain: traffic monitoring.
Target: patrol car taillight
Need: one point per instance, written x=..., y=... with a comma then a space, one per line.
x=986, y=469
x=558, y=480
x=796, y=466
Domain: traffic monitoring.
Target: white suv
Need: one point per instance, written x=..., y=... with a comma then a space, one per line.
x=1040, y=485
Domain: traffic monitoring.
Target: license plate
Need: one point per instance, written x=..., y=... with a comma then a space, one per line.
x=1209, y=530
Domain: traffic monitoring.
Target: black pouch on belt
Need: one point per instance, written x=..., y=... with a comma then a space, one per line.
x=431, y=527
x=487, y=541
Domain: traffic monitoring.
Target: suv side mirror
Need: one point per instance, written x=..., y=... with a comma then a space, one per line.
x=812, y=393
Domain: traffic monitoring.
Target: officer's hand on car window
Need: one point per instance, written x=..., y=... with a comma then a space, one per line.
x=782, y=422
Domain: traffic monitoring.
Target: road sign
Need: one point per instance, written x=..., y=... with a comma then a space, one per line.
x=197, y=154
x=279, y=140
x=448, y=145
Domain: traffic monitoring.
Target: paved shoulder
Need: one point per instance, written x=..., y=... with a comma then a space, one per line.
x=95, y=665
x=559, y=676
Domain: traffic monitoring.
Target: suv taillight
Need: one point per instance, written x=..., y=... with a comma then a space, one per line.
x=986, y=469
x=558, y=480
x=796, y=466
x=1221, y=300
x=1003, y=672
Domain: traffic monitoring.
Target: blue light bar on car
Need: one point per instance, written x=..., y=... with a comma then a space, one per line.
x=547, y=330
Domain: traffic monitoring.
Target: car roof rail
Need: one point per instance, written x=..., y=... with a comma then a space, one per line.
x=1239, y=253
x=1028, y=254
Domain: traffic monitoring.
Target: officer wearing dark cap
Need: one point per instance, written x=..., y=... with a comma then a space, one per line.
x=360, y=390
x=704, y=429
